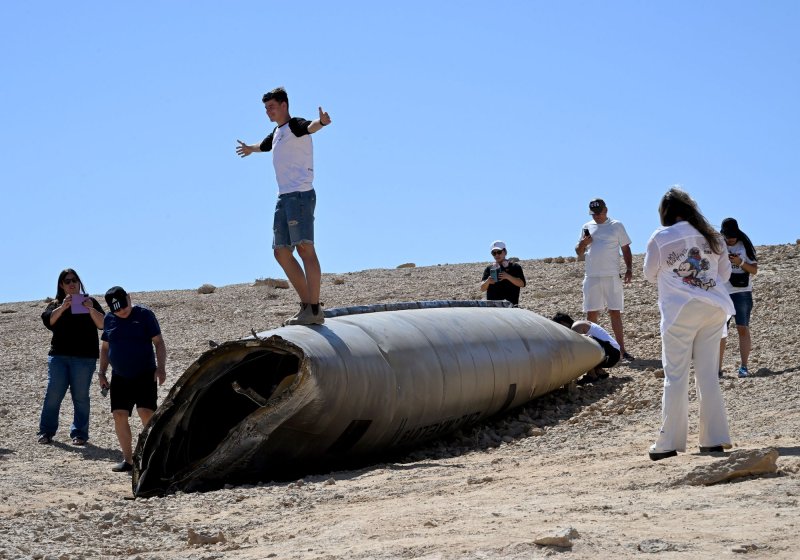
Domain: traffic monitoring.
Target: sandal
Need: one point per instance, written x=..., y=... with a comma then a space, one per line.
x=44, y=439
x=78, y=441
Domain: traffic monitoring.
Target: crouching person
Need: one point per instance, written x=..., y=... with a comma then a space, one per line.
x=130, y=335
x=599, y=334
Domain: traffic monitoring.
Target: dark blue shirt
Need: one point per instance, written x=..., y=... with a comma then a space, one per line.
x=130, y=342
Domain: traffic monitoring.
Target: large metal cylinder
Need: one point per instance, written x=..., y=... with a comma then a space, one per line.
x=298, y=399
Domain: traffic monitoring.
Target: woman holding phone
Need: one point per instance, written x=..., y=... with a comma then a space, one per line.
x=74, y=319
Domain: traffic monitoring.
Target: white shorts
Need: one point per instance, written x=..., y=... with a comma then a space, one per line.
x=602, y=292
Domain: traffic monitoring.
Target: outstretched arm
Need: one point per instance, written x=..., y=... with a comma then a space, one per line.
x=323, y=120
x=245, y=150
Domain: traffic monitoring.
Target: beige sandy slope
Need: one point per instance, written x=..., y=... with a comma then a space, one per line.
x=569, y=460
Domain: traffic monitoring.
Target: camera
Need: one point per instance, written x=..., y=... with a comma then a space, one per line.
x=586, y=232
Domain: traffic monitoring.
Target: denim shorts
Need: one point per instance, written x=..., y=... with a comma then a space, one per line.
x=294, y=219
x=743, y=303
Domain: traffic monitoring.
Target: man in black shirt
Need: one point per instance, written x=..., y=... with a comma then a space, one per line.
x=503, y=279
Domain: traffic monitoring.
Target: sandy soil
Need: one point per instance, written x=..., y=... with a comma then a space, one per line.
x=568, y=460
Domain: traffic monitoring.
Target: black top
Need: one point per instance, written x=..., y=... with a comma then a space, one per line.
x=505, y=289
x=73, y=335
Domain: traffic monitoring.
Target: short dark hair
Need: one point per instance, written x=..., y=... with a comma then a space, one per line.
x=563, y=319
x=278, y=94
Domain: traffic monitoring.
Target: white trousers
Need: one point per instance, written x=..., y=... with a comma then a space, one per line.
x=695, y=333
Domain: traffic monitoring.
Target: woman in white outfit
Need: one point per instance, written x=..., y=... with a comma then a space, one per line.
x=688, y=261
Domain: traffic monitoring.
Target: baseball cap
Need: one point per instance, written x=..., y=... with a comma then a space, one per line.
x=730, y=228
x=597, y=205
x=498, y=245
x=116, y=298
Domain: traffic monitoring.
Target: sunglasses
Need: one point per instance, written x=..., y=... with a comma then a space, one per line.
x=497, y=252
x=69, y=281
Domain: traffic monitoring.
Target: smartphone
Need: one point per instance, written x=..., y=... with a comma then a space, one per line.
x=586, y=232
x=77, y=304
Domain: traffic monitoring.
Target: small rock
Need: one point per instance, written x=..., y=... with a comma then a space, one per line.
x=330, y=482
x=195, y=538
x=407, y=265
x=658, y=374
x=206, y=289
x=272, y=283
x=745, y=548
x=560, y=539
x=479, y=480
x=739, y=463
x=655, y=545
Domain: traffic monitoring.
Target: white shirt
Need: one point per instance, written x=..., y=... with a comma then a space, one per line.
x=292, y=155
x=682, y=264
x=739, y=251
x=600, y=333
x=602, y=256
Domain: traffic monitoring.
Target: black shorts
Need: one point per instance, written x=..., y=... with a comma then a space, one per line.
x=612, y=354
x=127, y=392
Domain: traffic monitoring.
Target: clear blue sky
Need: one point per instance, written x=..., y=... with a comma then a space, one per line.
x=454, y=123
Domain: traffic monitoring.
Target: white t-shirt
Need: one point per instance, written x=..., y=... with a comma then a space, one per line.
x=682, y=264
x=739, y=251
x=600, y=333
x=292, y=155
x=602, y=256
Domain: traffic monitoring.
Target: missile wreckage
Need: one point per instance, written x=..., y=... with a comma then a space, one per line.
x=372, y=379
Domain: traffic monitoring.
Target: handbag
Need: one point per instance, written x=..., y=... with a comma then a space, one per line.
x=740, y=279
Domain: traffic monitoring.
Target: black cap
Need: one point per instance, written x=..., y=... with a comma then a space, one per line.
x=116, y=298
x=730, y=228
x=597, y=205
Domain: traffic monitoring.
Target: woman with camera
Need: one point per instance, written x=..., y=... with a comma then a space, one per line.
x=744, y=264
x=687, y=260
x=74, y=319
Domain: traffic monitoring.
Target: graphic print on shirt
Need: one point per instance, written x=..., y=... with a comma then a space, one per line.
x=693, y=270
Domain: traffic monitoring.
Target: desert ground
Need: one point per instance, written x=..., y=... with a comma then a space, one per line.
x=569, y=469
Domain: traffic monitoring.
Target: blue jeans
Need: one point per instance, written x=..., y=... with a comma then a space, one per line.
x=75, y=373
x=294, y=219
x=743, y=303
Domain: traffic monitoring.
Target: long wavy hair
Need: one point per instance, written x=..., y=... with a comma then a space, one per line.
x=60, y=293
x=677, y=205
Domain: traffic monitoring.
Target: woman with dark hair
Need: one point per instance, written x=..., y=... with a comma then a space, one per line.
x=744, y=264
x=74, y=320
x=686, y=259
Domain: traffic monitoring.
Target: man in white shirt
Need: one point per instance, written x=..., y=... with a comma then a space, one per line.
x=600, y=244
x=293, y=225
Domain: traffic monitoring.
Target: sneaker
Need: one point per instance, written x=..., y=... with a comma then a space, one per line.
x=292, y=320
x=44, y=439
x=743, y=371
x=627, y=357
x=124, y=466
x=307, y=317
x=319, y=317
